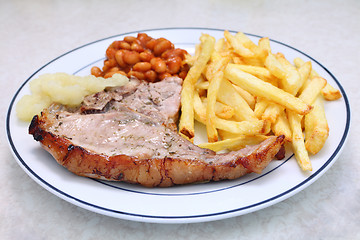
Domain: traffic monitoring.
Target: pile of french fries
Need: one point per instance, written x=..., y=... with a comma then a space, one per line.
x=243, y=93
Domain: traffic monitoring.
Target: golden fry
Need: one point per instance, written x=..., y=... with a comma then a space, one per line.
x=316, y=127
x=282, y=127
x=220, y=45
x=260, y=72
x=216, y=66
x=301, y=154
x=264, y=45
x=186, y=124
x=238, y=47
x=260, y=107
x=250, y=99
x=202, y=84
x=272, y=112
x=244, y=127
x=292, y=82
x=275, y=67
x=263, y=89
x=329, y=92
x=304, y=71
x=229, y=96
x=246, y=41
x=221, y=110
x=210, y=108
x=312, y=90
x=234, y=144
x=199, y=109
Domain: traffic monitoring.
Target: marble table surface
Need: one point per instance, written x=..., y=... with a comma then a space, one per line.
x=35, y=32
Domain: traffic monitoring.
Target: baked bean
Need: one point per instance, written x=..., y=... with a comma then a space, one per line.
x=174, y=64
x=151, y=44
x=119, y=56
x=143, y=38
x=110, y=52
x=96, y=71
x=121, y=72
x=115, y=44
x=146, y=56
x=183, y=74
x=161, y=47
x=129, y=39
x=131, y=57
x=136, y=47
x=138, y=75
x=124, y=45
x=109, y=64
x=109, y=74
x=151, y=75
x=158, y=65
x=178, y=52
x=143, y=57
x=142, y=66
x=164, y=75
x=114, y=69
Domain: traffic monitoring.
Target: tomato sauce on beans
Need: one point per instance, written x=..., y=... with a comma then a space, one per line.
x=143, y=57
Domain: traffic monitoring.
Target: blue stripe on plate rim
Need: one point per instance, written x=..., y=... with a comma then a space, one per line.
x=278, y=197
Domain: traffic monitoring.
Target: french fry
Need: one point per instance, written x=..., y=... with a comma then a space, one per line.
x=291, y=83
x=312, y=90
x=301, y=154
x=216, y=66
x=275, y=67
x=246, y=41
x=272, y=112
x=263, y=89
x=228, y=135
x=329, y=92
x=202, y=84
x=250, y=99
x=260, y=107
x=264, y=45
x=234, y=144
x=220, y=45
x=199, y=109
x=244, y=127
x=210, y=108
x=229, y=96
x=308, y=95
x=221, y=110
x=260, y=72
x=237, y=60
x=304, y=71
x=238, y=47
x=186, y=124
x=316, y=127
x=253, y=61
x=282, y=127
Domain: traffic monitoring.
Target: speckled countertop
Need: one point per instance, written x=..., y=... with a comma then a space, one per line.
x=35, y=32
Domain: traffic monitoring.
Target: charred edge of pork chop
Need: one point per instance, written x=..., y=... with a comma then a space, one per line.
x=152, y=172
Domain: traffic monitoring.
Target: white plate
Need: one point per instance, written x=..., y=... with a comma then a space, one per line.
x=181, y=204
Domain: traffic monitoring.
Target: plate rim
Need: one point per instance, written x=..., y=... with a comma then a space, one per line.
x=180, y=219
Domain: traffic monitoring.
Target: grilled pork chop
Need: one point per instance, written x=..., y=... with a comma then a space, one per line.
x=128, y=134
